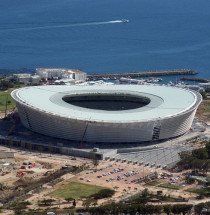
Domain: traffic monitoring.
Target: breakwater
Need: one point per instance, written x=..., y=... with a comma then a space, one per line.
x=142, y=74
x=202, y=80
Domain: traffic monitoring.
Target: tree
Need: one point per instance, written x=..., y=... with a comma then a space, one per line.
x=208, y=148
x=150, y=209
x=201, y=153
x=18, y=207
x=94, y=159
x=206, y=165
x=105, y=193
x=95, y=162
x=199, y=208
x=145, y=192
x=167, y=209
x=196, y=164
x=186, y=209
x=207, y=90
x=181, y=208
x=189, y=180
x=47, y=201
x=94, y=202
x=176, y=209
x=203, y=93
x=185, y=160
x=143, y=198
x=68, y=199
x=86, y=203
x=4, y=85
x=197, y=159
x=157, y=209
x=74, y=203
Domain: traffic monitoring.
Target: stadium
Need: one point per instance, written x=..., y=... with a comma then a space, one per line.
x=107, y=113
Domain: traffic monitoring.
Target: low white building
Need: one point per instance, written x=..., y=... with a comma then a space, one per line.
x=49, y=73
x=79, y=75
x=35, y=80
x=22, y=78
x=61, y=73
x=27, y=79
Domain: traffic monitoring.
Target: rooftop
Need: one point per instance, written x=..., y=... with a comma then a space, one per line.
x=164, y=101
x=59, y=70
x=52, y=69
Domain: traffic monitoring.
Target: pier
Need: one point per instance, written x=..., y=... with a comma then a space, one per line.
x=202, y=80
x=142, y=74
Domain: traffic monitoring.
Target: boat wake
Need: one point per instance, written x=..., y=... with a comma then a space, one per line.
x=62, y=26
x=116, y=21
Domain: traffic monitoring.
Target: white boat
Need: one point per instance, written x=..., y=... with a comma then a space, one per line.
x=125, y=20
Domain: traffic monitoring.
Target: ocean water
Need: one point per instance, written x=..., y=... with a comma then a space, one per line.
x=88, y=35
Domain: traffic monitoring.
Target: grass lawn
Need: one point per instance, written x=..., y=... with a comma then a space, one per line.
x=170, y=186
x=201, y=191
x=3, y=98
x=205, y=106
x=153, y=183
x=206, y=109
x=76, y=190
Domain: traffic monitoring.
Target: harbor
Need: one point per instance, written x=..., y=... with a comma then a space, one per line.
x=142, y=74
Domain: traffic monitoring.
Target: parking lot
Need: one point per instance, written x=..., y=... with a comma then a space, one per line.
x=116, y=172
x=124, y=178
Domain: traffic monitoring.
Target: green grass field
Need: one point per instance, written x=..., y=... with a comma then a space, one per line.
x=153, y=183
x=170, y=186
x=201, y=191
x=205, y=106
x=76, y=190
x=5, y=96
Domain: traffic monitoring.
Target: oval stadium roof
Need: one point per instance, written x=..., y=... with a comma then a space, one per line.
x=165, y=101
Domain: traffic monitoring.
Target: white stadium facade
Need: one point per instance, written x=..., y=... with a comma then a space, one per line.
x=107, y=113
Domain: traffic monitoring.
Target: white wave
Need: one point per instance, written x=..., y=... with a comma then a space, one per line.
x=62, y=26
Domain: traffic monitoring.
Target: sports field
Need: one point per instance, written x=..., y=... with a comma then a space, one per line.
x=76, y=190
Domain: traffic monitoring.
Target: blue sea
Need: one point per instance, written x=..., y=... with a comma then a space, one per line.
x=88, y=35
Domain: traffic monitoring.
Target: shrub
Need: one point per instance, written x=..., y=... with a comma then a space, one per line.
x=47, y=201
x=69, y=199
